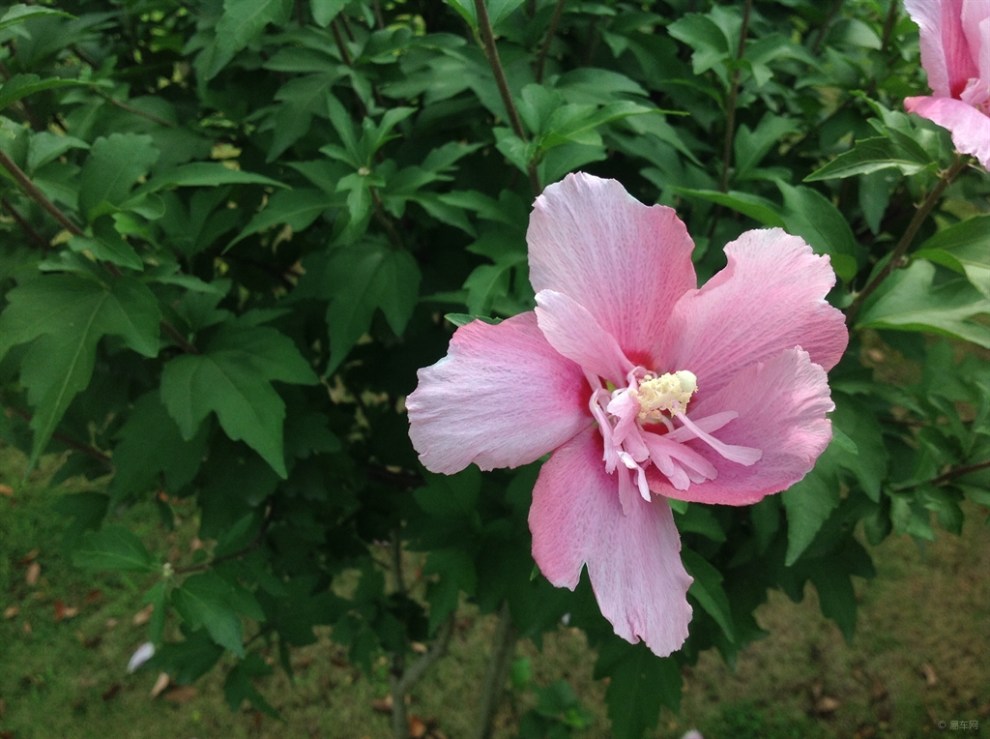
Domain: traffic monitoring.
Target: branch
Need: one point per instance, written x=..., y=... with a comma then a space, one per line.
x=32, y=191
x=731, y=101
x=505, y=639
x=246, y=549
x=491, y=52
x=79, y=446
x=551, y=32
x=26, y=227
x=910, y=232
x=947, y=476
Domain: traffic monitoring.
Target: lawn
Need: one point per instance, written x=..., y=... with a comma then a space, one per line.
x=917, y=662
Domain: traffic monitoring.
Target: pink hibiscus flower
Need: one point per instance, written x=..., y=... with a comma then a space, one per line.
x=643, y=388
x=955, y=52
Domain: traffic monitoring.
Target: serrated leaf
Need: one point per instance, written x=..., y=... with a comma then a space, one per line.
x=206, y=174
x=364, y=278
x=324, y=11
x=242, y=22
x=639, y=684
x=450, y=496
x=809, y=503
x=963, y=247
x=232, y=378
x=758, y=208
x=21, y=85
x=868, y=156
x=238, y=688
x=64, y=316
x=113, y=548
x=151, y=445
x=909, y=301
x=204, y=601
x=20, y=13
x=295, y=208
x=708, y=591
x=807, y=213
x=114, y=164
x=867, y=458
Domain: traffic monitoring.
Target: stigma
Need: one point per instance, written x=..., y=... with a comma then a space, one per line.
x=667, y=393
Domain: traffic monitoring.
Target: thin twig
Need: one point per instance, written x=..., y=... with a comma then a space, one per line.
x=37, y=195
x=732, y=100
x=558, y=11
x=26, y=227
x=491, y=52
x=505, y=639
x=246, y=549
x=131, y=109
x=79, y=446
x=947, y=476
x=897, y=256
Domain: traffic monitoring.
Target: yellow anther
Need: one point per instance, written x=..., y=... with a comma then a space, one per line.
x=668, y=393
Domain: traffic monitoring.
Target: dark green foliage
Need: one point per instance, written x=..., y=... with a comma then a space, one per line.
x=232, y=230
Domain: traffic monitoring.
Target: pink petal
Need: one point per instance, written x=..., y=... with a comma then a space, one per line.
x=945, y=52
x=969, y=127
x=782, y=405
x=633, y=558
x=769, y=297
x=501, y=397
x=625, y=262
x=575, y=333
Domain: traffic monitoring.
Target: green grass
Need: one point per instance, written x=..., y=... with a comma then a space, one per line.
x=917, y=657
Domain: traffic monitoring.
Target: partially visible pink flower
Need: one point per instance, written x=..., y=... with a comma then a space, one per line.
x=643, y=387
x=955, y=52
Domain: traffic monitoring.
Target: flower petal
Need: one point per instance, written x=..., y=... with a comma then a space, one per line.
x=501, y=397
x=969, y=127
x=945, y=52
x=633, y=558
x=575, y=333
x=782, y=405
x=769, y=297
x=625, y=262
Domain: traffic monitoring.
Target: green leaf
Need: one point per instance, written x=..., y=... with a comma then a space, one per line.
x=205, y=601
x=113, y=548
x=114, y=164
x=151, y=445
x=232, y=378
x=639, y=683
x=450, y=496
x=752, y=146
x=296, y=208
x=242, y=22
x=807, y=213
x=708, y=591
x=324, y=11
x=456, y=571
x=867, y=459
x=238, y=688
x=21, y=85
x=106, y=245
x=868, y=156
x=758, y=208
x=809, y=503
x=206, y=174
x=909, y=301
x=20, y=13
x=710, y=46
x=364, y=278
x=64, y=316
x=963, y=247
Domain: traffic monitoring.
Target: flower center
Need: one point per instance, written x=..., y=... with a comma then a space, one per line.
x=669, y=393
x=629, y=419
